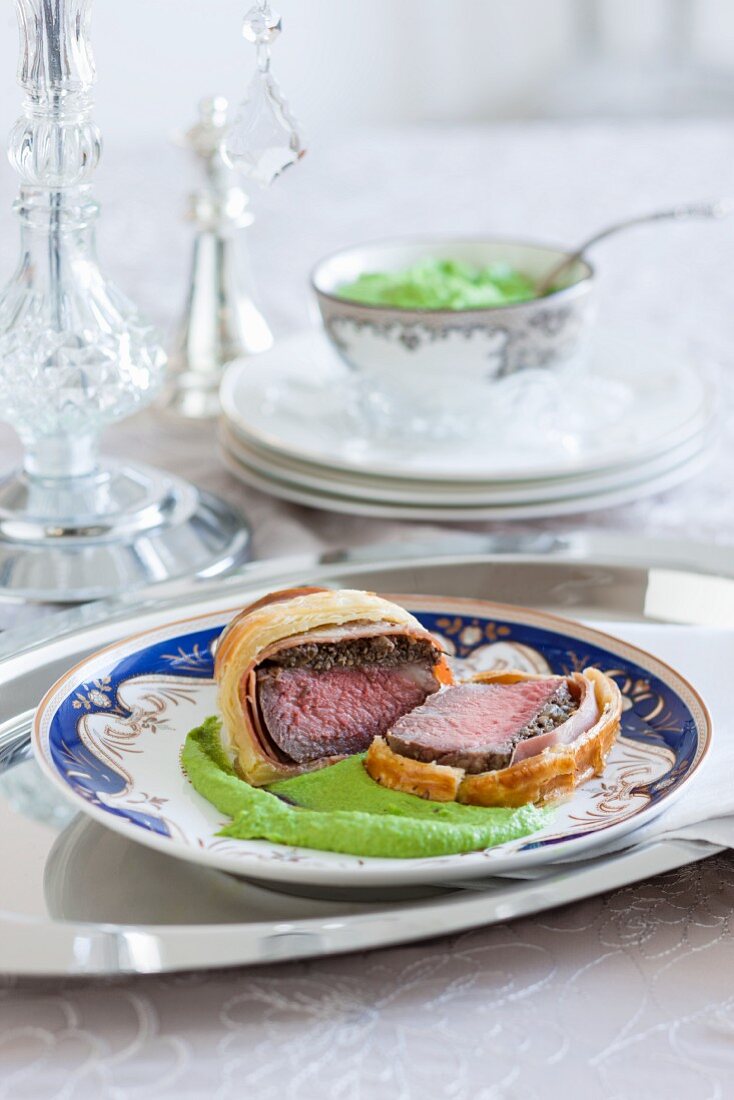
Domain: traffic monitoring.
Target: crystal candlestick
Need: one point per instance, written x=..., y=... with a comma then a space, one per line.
x=220, y=321
x=75, y=355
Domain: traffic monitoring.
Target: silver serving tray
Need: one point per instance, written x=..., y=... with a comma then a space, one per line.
x=76, y=899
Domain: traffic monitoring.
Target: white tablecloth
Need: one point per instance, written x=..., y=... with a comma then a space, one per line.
x=621, y=995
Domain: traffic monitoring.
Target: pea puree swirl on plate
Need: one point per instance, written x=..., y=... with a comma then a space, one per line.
x=341, y=809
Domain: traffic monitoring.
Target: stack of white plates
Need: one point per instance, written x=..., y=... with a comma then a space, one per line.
x=635, y=422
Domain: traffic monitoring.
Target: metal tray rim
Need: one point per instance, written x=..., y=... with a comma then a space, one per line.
x=87, y=949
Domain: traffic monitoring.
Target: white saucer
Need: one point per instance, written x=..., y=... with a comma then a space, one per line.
x=632, y=403
x=445, y=494
x=381, y=509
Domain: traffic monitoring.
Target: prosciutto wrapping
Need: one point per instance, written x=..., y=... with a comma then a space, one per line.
x=579, y=719
x=311, y=675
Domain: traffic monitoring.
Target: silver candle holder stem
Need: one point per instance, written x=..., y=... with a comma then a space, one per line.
x=220, y=321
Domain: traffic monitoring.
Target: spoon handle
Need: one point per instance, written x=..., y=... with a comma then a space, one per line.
x=717, y=208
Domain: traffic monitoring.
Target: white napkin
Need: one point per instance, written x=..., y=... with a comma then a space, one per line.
x=705, y=656
x=705, y=810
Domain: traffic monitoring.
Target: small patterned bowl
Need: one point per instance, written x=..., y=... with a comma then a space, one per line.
x=437, y=360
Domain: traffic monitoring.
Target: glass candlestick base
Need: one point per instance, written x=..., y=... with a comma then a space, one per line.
x=76, y=356
x=66, y=540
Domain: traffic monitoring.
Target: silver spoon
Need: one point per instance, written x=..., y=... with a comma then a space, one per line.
x=718, y=208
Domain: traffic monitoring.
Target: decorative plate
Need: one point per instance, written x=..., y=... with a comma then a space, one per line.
x=451, y=495
x=325, y=499
x=109, y=733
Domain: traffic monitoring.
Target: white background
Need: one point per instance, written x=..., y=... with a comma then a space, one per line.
x=346, y=63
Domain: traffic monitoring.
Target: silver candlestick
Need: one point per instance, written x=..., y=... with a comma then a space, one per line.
x=76, y=355
x=220, y=322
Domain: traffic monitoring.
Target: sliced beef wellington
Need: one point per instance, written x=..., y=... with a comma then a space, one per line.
x=309, y=676
x=504, y=739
